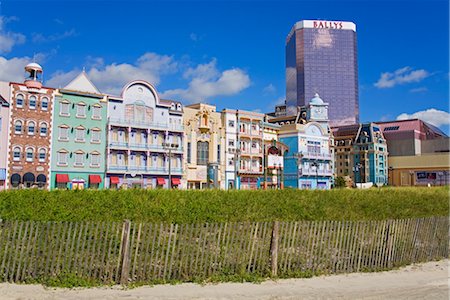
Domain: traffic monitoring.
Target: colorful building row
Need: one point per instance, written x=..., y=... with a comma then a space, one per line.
x=77, y=137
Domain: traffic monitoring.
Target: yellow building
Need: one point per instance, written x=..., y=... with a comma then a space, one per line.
x=204, y=163
x=417, y=170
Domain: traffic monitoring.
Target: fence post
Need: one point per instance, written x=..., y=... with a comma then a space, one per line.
x=274, y=249
x=125, y=254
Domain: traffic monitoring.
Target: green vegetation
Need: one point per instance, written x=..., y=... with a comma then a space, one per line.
x=218, y=206
x=339, y=182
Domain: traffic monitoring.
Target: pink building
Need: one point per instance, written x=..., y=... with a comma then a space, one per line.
x=4, y=117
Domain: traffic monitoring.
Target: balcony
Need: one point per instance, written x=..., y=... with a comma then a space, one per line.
x=315, y=155
x=254, y=170
x=312, y=172
x=143, y=169
x=120, y=145
x=143, y=124
x=143, y=147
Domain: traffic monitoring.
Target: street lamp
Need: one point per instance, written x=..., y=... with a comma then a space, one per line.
x=356, y=169
x=316, y=166
x=170, y=147
x=298, y=156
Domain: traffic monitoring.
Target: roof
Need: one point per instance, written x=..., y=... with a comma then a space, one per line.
x=3, y=101
x=424, y=129
x=33, y=65
x=82, y=83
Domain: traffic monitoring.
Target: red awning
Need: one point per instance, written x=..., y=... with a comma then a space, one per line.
x=62, y=178
x=160, y=181
x=175, y=181
x=114, y=180
x=95, y=179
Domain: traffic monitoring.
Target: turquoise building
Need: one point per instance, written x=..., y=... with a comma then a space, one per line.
x=79, y=136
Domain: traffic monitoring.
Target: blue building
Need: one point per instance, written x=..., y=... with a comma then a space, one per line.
x=308, y=164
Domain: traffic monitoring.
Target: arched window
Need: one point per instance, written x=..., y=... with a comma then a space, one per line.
x=19, y=100
x=202, y=153
x=42, y=155
x=16, y=153
x=18, y=127
x=30, y=154
x=32, y=102
x=43, y=129
x=44, y=103
x=31, y=127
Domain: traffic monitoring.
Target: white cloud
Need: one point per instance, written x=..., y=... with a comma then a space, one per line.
x=433, y=116
x=9, y=39
x=419, y=90
x=207, y=81
x=269, y=89
x=194, y=37
x=401, y=76
x=111, y=78
x=323, y=39
x=13, y=69
x=40, y=38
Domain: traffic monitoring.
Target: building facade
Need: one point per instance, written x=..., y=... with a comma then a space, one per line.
x=244, y=149
x=273, y=151
x=322, y=56
x=79, y=136
x=30, y=131
x=145, y=139
x=4, y=130
x=308, y=163
x=361, y=153
x=418, y=153
x=204, y=147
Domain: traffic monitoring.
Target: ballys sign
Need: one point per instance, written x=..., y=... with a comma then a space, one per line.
x=327, y=24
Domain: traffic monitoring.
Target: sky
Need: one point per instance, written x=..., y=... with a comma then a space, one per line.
x=231, y=53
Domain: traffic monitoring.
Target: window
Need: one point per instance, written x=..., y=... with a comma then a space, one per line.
x=95, y=135
x=64, y=109
x=189, y=152
x=44, y=103
x=19, y=101
x=63, y=134
x=16, y=153
x=29, y=154
x=81, y=110
x=97, y=112
x=43, y=129
x=95, y=159
x=62, y=158
x=79, y=134
x=42, y=155
x=218, y=153
x=32, y=103
x=230, y=123
x=231, y=143
x=31, y=127
x=202, y=153
x=18, y=127
x=79, y=159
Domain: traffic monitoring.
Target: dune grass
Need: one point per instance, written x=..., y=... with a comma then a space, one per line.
x=218, y=206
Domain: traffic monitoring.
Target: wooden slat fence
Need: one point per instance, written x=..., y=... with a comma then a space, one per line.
x=143, y=252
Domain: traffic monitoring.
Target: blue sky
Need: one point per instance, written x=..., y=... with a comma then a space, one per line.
x=231, y=54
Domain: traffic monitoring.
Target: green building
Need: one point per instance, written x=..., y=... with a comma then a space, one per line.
x=78, y=144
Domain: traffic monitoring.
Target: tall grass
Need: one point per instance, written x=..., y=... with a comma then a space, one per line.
x=218, y=206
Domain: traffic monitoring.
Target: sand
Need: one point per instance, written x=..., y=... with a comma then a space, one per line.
x=422, y=281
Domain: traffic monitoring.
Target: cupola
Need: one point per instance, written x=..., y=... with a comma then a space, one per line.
x=33, y=77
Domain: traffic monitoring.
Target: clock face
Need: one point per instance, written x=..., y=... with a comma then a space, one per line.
x=319, y=110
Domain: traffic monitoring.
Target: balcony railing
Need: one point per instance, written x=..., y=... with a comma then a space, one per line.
x=142, y=146
x=141, y=169
x=312, y=172
x=316, y=155
x=256, y=170
x=143, y=124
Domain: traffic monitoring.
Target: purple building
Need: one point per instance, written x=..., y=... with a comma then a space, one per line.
x=321, y=57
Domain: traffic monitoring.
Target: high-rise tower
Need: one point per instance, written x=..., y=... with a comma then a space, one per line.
x=321, y=57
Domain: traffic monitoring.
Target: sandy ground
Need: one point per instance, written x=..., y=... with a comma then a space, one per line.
x=424, y=281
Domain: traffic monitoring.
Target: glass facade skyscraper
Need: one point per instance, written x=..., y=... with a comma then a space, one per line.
x=321, y=57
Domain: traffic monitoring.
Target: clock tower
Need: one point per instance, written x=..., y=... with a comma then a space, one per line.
x=317, y=111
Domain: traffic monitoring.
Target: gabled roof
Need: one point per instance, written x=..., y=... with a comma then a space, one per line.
x=3, y=101
x=82, y=83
